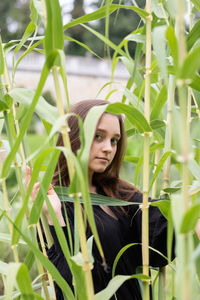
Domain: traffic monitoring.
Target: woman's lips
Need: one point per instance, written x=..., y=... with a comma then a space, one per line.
x=103, y=159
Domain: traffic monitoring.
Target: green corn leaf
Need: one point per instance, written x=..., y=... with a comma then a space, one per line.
x=160, y=102
x=54, y=29
x=115, y=283
x=25, y=53
x=105, y=40
x=38, y=6
x=155, y=124
x=131, y=159
x=68, y=38
x=25, y=124
x=96, y=199
x=193, y=36
x=194, y=169
x=164, y=206
x=6, y=238
x=159, y=46
x=3, y=268
x=10, y=283
x=136, y=118
x=29, y=260
x=47, y=264
x=24, y=282
x=44, y=110
x=28, y=32
x=159, y=166
x=36, y=11
x=46, y=181
x=195, y=83
x=138, y=38
x=191, y=64
x=159, y=10
x=101, y=13
x=173, y=44
x=34, y=177
x=196, y=4
x=2, y=61
x=190, y=219
x=79, y=275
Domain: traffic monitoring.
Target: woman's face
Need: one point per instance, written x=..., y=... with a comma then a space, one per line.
x=104, y=146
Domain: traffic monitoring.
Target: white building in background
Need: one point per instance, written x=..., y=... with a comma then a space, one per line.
x=86, y=77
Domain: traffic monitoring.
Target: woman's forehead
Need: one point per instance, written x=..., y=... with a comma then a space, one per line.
x=109, y=122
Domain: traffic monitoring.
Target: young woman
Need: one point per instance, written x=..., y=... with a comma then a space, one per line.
x=116, y=227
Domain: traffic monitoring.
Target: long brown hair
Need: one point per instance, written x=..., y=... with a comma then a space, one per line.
x=109, y=180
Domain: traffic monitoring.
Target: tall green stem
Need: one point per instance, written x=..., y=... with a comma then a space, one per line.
x=81, y=227
x=168, y=134
x=145, y=206
x=183, y=101
x=166, y=169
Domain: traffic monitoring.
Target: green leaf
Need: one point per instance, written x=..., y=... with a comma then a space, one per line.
x=38, y=6
x=96, y=199
x=24, y=282
x=3, y=268
x=196, y=4
x=195, y=83
x=101, y=13
x=26, y=122
x=6, y=238
x=193, y=35
x=158, y=9
x=131, y=159
x=36, y=9
x=10, y=283
x=136, y=118
x=28, y=32
x=164, y=206
x=79, y=275
x=191, y=64
x=115, y=283
x=6, y=103
x=34, y=177
x=159, y=46
x=44, y=110
x=194, y=169
x=46, y=181
x=158, y=105
x=173, y=44
x=159, y=166
x=105, y=40
x=138, y=38
x=190, y=219
x=157, y=124
x=54, y=29
x=47, y=264
x=2, y=61
x=68, y=38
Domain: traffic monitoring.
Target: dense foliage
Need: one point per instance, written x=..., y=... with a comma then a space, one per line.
x=161, y=103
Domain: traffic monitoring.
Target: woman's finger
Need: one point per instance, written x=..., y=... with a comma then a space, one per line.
x=28, y=175
x=35, y=190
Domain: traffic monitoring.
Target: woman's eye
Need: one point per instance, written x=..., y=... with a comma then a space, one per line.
x=114, y=141
x=98, y=137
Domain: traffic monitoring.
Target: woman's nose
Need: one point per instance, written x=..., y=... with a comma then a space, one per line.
x=107, y=146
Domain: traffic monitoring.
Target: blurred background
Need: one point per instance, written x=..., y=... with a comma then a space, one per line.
x=86, y=74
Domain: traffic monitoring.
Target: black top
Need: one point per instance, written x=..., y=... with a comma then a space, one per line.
x=115, y=234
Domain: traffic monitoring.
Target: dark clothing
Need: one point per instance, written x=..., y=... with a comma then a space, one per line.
x=115, y=234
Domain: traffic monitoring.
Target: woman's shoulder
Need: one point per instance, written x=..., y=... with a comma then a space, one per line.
x=128, y=191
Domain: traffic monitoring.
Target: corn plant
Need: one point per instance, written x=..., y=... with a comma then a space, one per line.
x=161, y=103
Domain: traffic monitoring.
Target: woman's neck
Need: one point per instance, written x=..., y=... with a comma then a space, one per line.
x=92, y=189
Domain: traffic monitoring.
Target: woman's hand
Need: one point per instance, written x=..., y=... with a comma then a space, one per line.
x=53, y=198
